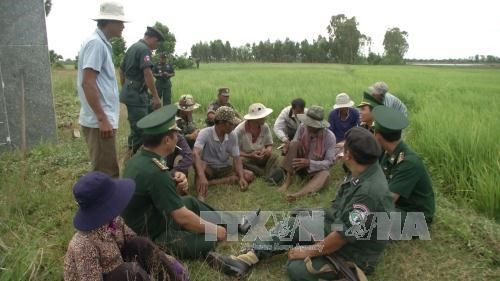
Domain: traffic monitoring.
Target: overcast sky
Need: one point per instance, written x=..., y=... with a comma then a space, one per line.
x=436, y=28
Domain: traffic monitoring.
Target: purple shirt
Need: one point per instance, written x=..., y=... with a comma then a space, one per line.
x=339, y=127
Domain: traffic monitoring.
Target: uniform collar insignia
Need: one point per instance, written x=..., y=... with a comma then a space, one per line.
x=160, y=163
x=401, y=157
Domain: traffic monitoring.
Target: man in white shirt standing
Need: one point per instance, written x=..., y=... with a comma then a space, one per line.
x=98, y=89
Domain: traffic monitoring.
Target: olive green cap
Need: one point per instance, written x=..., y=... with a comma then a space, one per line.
x=388, y=119
x=159, y=121
x=156, y=33
x=369, y=100
x=362, y=142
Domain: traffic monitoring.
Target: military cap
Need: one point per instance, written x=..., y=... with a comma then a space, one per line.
x=159, y=121
x=369, y=100
x=156, y=33
x=224, y=91
x=226, y=113
x=362, y=142
x=388, y=120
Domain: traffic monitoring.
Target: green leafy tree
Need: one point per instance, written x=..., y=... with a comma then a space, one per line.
x=118, y=46
x=167, y=46
x=346, y=38
x=54, y=57
x=395, y=45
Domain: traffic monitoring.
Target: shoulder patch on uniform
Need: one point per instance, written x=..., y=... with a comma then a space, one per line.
x=147, y=58
x=161, y=164
x=359, y=214
x=401, y=157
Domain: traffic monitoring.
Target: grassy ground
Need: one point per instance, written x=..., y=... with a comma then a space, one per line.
x=36, y=203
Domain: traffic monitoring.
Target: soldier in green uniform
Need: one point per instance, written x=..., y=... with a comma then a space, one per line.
x=365, y=110
x=222, y=100
x=185, y=122
x=350, y=245
x=156, y=210
x=163, y=71
x=408, y=178
x=136, y=78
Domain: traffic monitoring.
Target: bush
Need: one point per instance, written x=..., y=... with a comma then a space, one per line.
x=182, y=62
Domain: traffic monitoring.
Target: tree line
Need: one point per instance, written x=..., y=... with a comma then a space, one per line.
x=344, y=44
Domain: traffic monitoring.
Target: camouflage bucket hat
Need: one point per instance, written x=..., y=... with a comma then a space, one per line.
x=314, y=117
x=226, y=113
x=186, y=103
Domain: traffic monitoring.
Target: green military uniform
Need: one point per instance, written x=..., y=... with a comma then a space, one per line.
x=213, y=107
x=372, y=102
x=404, y=169
x=163, y=84
x=134, y=92
x=155, y=197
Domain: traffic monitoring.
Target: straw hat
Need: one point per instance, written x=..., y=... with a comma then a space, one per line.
x=257, y=111
x=111, y=11
x=314, y=117
x=343, y=100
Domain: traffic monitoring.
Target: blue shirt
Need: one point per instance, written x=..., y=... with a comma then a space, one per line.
x=96, y=54
x=339, y=127
x=215, y=152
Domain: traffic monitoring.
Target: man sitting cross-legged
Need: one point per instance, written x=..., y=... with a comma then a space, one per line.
x=212, y=149
x=311, y=153
x=256, y=141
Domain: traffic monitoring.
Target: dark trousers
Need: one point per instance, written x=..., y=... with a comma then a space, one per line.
x=142, y=259
x=135, y=113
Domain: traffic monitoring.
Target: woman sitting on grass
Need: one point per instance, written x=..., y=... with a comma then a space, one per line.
x=104, y=248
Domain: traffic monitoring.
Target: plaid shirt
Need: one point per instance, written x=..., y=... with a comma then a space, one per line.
x=91, y=254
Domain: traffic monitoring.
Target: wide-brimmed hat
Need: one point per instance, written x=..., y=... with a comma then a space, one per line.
x=100, y=198
x=226, y=113
x=314, y=117
x=343, y=100
x=110, y=10
x=257, y=111
x=186, y=103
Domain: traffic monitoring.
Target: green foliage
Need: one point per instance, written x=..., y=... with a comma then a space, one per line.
x=346, y=38
x=119, y=47
x=167, y=46
x=374, y=59
x=54, y=57
x=182, y=62
x=395, y=46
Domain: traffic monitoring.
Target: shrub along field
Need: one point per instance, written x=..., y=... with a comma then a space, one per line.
x=453, y=119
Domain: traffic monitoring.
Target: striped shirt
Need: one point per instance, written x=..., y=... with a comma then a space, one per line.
x=392, y=101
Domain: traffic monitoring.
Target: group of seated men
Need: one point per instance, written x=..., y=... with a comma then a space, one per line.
x=384, y=175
